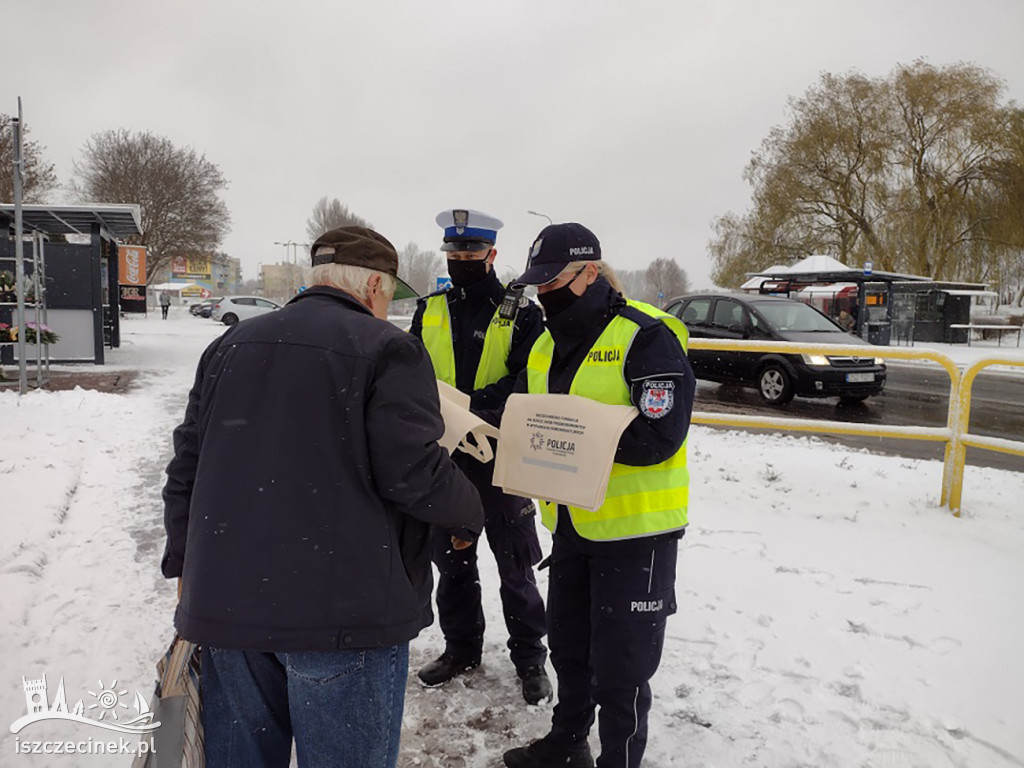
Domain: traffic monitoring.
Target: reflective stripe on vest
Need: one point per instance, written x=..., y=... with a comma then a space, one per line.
x=437, y=338
x=640, y=501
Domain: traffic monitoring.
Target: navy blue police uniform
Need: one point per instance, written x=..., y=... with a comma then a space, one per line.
x=608, y=600
x=510, y=521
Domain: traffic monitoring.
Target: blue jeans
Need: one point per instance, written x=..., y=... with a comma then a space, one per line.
x=344, y=708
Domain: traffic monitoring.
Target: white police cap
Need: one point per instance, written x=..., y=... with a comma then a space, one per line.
x=468, y=230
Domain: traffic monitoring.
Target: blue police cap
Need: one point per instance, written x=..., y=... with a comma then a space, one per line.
x=556, y=246
x=468, y=230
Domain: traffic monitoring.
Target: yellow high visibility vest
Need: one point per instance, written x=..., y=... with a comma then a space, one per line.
x=640, y=501
x=437, y=338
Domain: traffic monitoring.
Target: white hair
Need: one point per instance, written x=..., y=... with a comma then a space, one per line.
x=604, y=269
x=352, y=279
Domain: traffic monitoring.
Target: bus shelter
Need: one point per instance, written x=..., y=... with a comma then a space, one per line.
x=883, y=307
x=79, y=293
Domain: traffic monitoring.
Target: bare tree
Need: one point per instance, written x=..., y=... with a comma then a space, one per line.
x=38, y=177
x=664, y=279
x=633, y=282
x=419, y=268
x=175, y=186
x=329, y=214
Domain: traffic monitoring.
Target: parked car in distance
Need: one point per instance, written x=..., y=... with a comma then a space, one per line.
x=204, y=308
x=230, y=309
x=777, y=377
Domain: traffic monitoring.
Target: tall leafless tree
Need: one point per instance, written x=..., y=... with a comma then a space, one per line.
x=38, y=178
x=419, y=268
x=634, y=282
x=665, y=279
x=176, y=187
x=329, y=214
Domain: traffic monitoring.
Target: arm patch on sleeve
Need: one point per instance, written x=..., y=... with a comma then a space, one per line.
x=657, y=398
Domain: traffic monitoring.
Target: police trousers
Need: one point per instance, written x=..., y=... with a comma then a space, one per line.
x=511, y=531
x=607, y=607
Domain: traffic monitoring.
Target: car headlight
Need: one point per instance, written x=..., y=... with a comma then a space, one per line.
x=879, y=361
x=815, y=359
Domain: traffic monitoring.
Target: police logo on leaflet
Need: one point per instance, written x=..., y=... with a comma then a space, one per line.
x=657, y=398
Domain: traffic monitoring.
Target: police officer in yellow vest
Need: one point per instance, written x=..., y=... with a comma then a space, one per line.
x=612, y=580
x=479, y=335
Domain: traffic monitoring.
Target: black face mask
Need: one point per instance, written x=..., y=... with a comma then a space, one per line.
x=465, y=273
x=560, y=299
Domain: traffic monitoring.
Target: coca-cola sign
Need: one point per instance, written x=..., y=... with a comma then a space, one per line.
x=131, y=265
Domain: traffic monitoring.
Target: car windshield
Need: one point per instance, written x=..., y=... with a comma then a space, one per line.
x=794, y=316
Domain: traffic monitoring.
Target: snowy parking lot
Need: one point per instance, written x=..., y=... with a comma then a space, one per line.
x=831, y=613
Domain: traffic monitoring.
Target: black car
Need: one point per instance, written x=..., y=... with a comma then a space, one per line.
x=777, y=377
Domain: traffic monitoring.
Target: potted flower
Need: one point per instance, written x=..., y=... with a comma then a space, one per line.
x=42, y=331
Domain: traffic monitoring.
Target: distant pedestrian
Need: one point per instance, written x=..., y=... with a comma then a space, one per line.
x=165, y=303
x=298, y=505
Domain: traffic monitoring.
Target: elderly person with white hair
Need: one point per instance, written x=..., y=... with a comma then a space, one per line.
x=298, y=505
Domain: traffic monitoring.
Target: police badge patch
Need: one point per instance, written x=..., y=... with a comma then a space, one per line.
x=657, y=398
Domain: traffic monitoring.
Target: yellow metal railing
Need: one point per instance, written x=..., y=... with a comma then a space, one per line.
x=956, y=451
x=955, y=434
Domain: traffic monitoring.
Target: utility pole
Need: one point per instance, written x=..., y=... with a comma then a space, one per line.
x=19, y=253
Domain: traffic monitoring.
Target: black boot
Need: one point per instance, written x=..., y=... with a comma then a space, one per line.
x=536, y=686
x=549, y=753
x=445, y=667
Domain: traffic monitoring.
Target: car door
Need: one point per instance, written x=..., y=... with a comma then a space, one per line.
x=747, y=363
x=695, y=313
x=729, y=324
x=244, y=306
x=264, y=305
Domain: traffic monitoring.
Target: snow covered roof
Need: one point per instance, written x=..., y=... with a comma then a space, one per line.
x=818, y=263
x=754, y=283
x=823, y=268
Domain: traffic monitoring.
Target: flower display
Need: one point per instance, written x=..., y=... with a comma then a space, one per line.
x=43, y=332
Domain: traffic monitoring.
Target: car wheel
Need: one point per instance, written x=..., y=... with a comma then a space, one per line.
x=229, y=319
x=775, y=385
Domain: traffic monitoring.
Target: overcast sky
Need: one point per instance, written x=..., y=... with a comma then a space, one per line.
x=633, y=118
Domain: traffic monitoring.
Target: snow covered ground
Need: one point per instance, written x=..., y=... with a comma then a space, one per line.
x=831, y=613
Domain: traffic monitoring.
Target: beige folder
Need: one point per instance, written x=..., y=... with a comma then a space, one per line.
x=559, y=447
x=460, y=424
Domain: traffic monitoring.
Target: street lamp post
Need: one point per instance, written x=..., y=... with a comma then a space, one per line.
x=534, y=213
x=286, y=245
x=293, y=265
